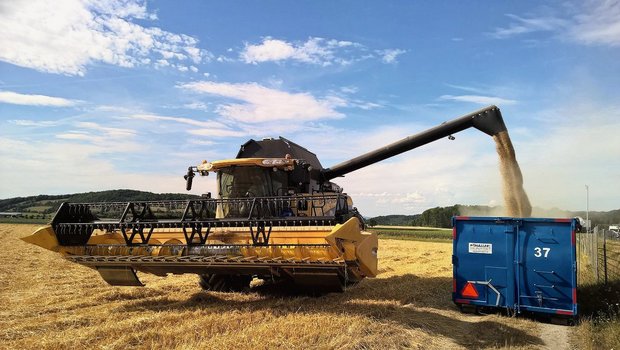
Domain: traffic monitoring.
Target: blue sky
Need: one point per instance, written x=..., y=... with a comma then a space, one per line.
x=110, y=94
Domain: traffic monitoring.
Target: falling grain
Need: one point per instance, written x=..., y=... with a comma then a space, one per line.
x=516, y=200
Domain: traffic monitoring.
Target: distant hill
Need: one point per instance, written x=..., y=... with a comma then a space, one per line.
x=395, y=220
x=43, y=207
x=441, y=216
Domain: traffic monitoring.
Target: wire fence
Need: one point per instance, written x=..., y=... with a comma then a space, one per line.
x=598, y=255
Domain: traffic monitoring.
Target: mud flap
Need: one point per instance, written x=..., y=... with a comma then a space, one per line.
x=119, y=276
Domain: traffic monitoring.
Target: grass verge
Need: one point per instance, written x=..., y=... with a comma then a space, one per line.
x=600, y=321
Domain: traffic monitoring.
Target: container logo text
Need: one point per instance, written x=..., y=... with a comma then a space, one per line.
x=480, y=248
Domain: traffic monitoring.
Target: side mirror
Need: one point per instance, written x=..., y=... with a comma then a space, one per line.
x=189, y=177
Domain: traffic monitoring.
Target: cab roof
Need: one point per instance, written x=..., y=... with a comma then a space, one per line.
x=277, y=148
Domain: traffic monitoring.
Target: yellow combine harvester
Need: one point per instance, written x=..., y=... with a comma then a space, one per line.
x=278, y=218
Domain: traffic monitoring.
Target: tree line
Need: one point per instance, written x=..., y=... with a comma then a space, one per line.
x=21, y=204
x=442, y=216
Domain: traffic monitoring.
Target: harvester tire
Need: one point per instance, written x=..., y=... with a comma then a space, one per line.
x=225, y=283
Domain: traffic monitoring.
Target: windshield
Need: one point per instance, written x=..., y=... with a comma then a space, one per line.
x=236, y=182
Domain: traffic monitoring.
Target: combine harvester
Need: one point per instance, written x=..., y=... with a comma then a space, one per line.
x=278, y=217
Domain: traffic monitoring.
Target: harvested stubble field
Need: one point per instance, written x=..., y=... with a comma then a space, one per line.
x=49, y=303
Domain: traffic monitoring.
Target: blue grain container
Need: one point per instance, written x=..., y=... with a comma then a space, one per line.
x=521, y=264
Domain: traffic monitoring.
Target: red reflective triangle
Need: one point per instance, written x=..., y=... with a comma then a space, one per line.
x=469, y=291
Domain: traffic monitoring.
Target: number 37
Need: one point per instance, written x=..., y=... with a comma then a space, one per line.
x=538, y=252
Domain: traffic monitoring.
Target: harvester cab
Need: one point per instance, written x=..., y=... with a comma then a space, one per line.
x=277, y=218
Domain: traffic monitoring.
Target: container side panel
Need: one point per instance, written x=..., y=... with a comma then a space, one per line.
x=483, y=251
x=546, y=265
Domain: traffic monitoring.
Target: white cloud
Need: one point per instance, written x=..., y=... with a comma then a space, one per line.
x=222, y=59
x=36, y=123
x=78, y=136
x=262, y=104
x=318, y=51
x=182, y=120
x=66, y=36
x=390, y=55
x=200, y=106
x=269, y=50
x=35, y=100
x=206, y=127
x=594, y=22
x=566, y=153
x=202, y=142
x=364, y=105
x=107, y=131
x=72, y=167
x=523, y=25
x=599, y=25
x=214, y=132
x=468, y=88
x=349, y=89
x=101, y=139
x=479, y=99
x=314, y=50
x=114, y=109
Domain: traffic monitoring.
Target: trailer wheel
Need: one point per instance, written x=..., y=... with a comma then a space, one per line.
x=225, y=283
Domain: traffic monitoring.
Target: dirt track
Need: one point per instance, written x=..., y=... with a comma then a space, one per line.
x=50, y=303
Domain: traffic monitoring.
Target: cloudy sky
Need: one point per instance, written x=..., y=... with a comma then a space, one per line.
x=108, y=94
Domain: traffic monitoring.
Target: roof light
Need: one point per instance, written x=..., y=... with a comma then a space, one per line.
x=274, y=161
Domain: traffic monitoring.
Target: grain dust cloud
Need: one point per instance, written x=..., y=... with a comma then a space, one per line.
x=516, y=200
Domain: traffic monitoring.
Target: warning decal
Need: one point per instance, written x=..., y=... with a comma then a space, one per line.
x=480, y=248
x=469, y=291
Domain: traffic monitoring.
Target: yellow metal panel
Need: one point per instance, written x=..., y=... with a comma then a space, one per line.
x=281, y=163
x=357, y=245
x=44, y=237
x=367, y=254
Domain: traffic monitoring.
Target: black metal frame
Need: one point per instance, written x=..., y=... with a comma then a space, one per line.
x=139, y=230
x=75, y=222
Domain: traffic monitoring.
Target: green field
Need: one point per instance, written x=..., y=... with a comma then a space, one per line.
x=25, y=220
x=412, y=233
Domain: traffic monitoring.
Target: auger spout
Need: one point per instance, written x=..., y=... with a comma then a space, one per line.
x=488, y=120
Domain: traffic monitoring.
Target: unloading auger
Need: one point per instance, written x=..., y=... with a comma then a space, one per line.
x=278, y=218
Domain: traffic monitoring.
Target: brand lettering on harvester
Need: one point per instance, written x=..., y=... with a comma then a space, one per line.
x=480, y=248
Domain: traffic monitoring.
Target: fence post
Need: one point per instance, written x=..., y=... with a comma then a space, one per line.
x=592, y=249
x=605, y=257
x=596, y=251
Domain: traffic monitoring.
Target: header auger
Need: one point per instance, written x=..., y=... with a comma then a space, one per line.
x=278, y=218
